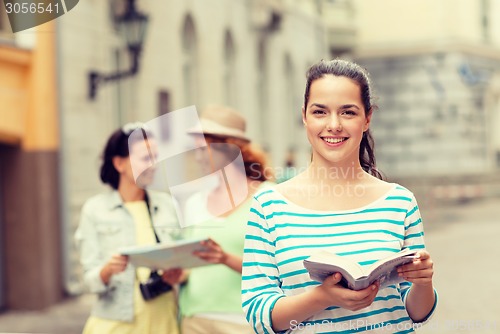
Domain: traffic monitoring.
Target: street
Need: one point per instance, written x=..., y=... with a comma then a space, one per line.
x=462, y=241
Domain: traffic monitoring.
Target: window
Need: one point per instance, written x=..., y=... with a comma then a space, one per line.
x=485, y=19
x=292, y=94
x=262, y=90
x=229, y=70
x=164, y=108
x=190, y=65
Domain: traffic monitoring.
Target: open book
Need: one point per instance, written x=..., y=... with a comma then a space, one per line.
x=175, y=254
x=354, y=276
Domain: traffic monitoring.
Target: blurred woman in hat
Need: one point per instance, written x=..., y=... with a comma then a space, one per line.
x=210, y=300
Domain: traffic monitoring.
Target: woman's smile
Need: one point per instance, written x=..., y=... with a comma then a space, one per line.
x=334, y=141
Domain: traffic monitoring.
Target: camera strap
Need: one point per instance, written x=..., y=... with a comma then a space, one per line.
x=146, y=199
x=165, y=287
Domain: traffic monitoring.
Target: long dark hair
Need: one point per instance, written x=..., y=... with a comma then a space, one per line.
x=344, y=68
x=254, y=159
x=117, y=146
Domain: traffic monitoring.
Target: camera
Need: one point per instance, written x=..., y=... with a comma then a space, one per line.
x=154, y=286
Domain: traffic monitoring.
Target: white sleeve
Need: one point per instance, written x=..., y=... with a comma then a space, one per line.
x=261, y=285
x=414, y=239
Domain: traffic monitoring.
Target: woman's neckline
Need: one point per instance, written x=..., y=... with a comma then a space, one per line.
x=135, y=202
x=357, y=209
x=240, y=206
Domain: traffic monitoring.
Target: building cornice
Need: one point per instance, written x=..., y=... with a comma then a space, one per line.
x=14, y=55
x=425, y=48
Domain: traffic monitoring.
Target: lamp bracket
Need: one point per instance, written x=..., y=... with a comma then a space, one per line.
x=96, y=78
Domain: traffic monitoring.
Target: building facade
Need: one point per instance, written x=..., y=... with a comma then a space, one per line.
x=249, y=54
x=435, y=67
x=30, y=220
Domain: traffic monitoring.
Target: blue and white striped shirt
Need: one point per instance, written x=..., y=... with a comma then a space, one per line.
x=281, y=234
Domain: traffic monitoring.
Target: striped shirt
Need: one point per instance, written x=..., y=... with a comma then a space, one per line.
x=281, y=234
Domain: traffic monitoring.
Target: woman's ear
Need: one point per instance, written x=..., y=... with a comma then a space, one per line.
x=118, y=163
x=368, y=120
x=304, y=117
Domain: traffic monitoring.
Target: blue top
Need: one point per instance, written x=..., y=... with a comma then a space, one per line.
x=281, y=234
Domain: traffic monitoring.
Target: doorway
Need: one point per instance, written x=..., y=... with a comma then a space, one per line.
x=2, y=234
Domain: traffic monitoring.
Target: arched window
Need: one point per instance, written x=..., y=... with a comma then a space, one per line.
x=190, y=62
x=292, y=102
x=292, y=116
x=485, y=20
x=229, y=70
x=262, y=92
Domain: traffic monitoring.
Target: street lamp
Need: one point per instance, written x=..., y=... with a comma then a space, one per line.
x=131, y=25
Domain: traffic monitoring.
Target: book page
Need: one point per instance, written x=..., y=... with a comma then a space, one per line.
x=385, y=270
x=324, y=264
x=354, y=276
x=177, y=254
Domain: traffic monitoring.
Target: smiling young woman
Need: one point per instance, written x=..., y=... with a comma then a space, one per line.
x=339, y=204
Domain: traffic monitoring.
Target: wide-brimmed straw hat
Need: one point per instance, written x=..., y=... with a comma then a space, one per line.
x=222, y=122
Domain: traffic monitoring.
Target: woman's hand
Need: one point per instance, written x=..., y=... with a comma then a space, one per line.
x=421, y=298
x=420, y=271
x=337, y=295
x=212, y=253
x=304, y=305
x=173, y=276
x=117, y=264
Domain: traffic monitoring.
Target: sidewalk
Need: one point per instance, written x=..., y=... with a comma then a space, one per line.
x=462, y=239
x=67, y=317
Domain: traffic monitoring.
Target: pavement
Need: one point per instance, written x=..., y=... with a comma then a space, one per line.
x=461, y=238
x=66, y=317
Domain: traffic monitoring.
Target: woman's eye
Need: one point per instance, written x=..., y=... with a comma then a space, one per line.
x=349, y=113
x=319, y=112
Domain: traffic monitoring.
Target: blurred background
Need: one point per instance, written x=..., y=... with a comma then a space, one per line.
x=67, y=84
